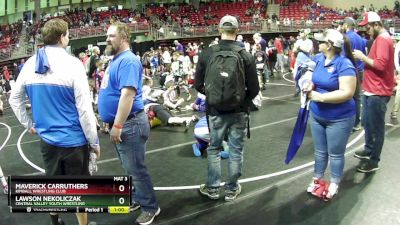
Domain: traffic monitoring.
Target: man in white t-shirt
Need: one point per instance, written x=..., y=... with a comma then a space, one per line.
x=166, y=56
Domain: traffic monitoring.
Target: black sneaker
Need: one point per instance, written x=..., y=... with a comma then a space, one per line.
x=146, y=218
x=232, y=195
x=367, y=167
x=362, y=154
x=212, y=194
x=135, y=206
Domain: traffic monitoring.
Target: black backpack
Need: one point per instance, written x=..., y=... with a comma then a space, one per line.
x=225, y=79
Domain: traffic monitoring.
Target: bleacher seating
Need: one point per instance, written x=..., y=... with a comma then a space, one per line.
x=10, y=34
x=297, y=11
x=78, y=20
x=215, y=9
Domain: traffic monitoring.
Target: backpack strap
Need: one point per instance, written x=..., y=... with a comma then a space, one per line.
x=239, y=49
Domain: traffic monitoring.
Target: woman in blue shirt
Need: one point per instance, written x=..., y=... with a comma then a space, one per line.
x=332, y=108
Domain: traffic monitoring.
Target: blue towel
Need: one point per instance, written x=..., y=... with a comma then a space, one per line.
x=299, y=129
x=42, y=63
x=298, y=134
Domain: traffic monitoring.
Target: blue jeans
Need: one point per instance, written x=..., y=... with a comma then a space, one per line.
x=131, y=152
x=266, y=73
x=234, y=125
x=373, y=120
x=330, y=139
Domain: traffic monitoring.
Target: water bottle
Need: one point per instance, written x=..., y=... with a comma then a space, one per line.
x=92, y=163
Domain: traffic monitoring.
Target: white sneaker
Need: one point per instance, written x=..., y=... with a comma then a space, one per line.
x=332, y=191
x=313, y=185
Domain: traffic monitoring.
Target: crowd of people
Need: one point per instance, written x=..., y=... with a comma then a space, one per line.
x=317, y=12
x=10, y=33
x=162, y=17
x=351, y=85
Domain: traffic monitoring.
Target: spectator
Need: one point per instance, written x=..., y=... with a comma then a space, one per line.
x=359, y=43
x=61, y=107
x=332, y=108
x=6, y=74
x=94, y=58
x=261, y=60
x=378, y=86
x=239, y=39
x=121, y=104
x=179, y=46
x=274, y=17
x=272, y=56
x=232, y=122
x=302, y=48
x=166, y=58
x=396, y=8
x=280, y=65
x=15, y=71
x=258, y=39
x=21, y=65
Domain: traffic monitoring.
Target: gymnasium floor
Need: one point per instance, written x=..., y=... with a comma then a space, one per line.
x=272, y=192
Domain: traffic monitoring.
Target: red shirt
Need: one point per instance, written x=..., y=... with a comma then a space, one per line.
x=278, y=46
x=379, y=79
x=6, y=75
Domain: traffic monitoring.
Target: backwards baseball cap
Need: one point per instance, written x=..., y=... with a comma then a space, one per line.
x=331, y=35
x=370, y=17
x=349, y=21
x=229, y=22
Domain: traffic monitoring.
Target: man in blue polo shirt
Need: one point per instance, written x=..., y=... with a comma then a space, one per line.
x=179, y=47
x=120, y=104
x=357, y=43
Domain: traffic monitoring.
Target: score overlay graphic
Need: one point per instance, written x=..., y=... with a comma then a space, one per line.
x=93, y=194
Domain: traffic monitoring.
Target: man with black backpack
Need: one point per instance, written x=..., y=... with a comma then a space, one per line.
x=226, y=74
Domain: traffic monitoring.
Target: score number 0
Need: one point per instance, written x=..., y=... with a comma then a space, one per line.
x=121, y=200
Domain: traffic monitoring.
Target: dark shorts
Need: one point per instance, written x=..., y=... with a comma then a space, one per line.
x=161, y=113
x=65, y=161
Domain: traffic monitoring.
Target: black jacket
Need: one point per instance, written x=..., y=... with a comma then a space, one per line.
x=252, y=86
